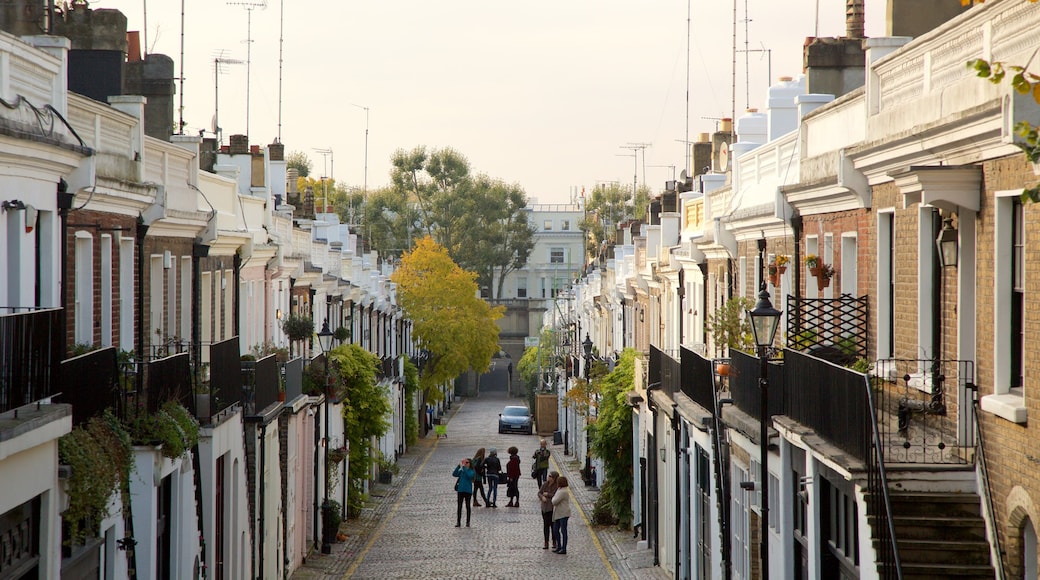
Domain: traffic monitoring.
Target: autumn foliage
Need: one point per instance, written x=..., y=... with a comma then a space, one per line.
x=450, y=320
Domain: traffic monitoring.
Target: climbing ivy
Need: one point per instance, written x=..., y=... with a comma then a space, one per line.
x=611, y=439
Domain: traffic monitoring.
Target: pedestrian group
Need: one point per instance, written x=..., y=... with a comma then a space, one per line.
x=553, y=489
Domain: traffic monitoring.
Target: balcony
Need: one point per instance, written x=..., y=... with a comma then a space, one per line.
x=30, y=350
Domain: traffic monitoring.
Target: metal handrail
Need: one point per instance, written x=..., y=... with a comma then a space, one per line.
x=879, y=457
x=979, y=448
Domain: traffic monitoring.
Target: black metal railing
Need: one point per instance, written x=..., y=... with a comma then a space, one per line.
x=830, y=399
x=744, y=389
x=266, y=382
x=919, y=408
x=91, y=383
x=225, y=377
x=698, y=378
x=666, y=370
x=30, y=353
x=888, y=562
x=987, y=490
x=168, y=379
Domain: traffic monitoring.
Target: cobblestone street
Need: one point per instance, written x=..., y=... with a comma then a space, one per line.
x=408, y=527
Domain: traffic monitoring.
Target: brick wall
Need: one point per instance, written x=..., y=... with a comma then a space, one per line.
x=96, y=224
x=1013, y=457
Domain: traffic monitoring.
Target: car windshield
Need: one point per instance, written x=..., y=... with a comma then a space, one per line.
x=515, y=412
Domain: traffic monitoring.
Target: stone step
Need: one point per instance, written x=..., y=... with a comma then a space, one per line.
x=943, y=552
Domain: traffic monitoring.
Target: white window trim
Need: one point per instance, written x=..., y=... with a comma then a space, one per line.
x=885, y=231
x=106, y=290
x=84, y=293
x=1003, y=402
x=812, y=246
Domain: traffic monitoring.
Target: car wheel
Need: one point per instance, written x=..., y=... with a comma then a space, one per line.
x=500, y=431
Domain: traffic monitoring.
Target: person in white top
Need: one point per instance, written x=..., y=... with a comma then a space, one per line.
x=561, y=502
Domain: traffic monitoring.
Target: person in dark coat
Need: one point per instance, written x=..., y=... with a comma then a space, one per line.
x=513, y=478
x=541, y=462
x=493, y=470
x=478, y=483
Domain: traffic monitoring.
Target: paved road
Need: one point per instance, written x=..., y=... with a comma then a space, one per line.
x=410, y=532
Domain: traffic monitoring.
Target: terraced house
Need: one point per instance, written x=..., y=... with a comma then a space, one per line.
x=884, y=429
x=145, y=281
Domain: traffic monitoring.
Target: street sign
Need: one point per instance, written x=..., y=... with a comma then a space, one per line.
x=530, y=341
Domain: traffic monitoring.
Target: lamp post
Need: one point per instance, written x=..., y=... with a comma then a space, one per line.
x=764, y=320
x=587, y=346
x=325, y=340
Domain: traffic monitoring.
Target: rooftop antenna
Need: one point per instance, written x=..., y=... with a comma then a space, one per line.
x=687, y=137
x=366, y=147
x=733, y=70
x=249, y=5
x=747, y=79
x=641, y=147
x=281, y=43
x=635, y=166
x=768, y=52
x=325, y=155
x=180, y=105
x=217, y=70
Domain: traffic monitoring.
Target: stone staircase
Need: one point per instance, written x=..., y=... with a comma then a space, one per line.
x=939, y=534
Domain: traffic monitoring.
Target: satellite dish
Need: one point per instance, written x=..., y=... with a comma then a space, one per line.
x=682, y=176
x=213, y=124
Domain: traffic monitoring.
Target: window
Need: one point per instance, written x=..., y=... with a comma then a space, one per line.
x=126, y=293
x=565, y=225
x=739, y=530
x=886, y=287
x=84, y=293
x=106, y=290
x=1016, y=372
x=1008, y=398
x=521, y=287
x=556, y=256
x=812, y=247
x=547, y=225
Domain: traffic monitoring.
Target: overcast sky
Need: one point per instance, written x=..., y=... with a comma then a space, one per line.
x=545, y=94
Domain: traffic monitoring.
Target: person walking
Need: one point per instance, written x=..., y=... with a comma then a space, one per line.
x=464, y=486
x=561, y=513
x=513, y=478
x=545, y=496
x=492, y=469
x=541, y=462
x=478, y=483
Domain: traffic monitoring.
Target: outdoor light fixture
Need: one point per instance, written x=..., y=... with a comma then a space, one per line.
x=325, y=338
x=587, y=345
x=764, y=319
x=946, y=242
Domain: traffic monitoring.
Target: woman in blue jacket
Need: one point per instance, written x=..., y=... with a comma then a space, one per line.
x=465, y=474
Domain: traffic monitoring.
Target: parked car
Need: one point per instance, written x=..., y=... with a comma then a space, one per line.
x=515, y=418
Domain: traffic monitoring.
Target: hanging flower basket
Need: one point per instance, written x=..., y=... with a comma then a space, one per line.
x=823, y=273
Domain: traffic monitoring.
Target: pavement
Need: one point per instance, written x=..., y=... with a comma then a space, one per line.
x=406, y=529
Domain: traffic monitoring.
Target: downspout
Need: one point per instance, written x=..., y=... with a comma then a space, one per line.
x=678, y=485
x=680, y=290
x=262, y=444
x=140, y=233
x=198, y=251
x=237, y=266
x=317, y=444
x=937, y=299
x=64, y=204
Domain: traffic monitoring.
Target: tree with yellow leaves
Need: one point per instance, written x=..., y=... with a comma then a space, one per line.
x=450, y=320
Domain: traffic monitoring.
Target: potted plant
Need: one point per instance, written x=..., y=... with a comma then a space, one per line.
x=777, y=268
x=298, y=327
x=730, y=329
x=387, y=469
x=341, y=334
x=823, y=273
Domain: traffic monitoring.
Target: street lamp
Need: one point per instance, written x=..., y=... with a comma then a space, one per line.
x=764, y=320
x=587, y=346
x=325, y=340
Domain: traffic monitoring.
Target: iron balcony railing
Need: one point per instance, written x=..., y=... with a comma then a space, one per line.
x=91, y=383
x=30, y=353
x=666, y=370
x=698, y=379
x=744, y=386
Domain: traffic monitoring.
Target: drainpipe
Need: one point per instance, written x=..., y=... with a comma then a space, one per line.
x=317, y=444
x=140, y=233
x=64, y=204
x=676, y=441
x=237, y=266
x=937, y=298
x=198, y=251
x=263, y=493
x=796, y=231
